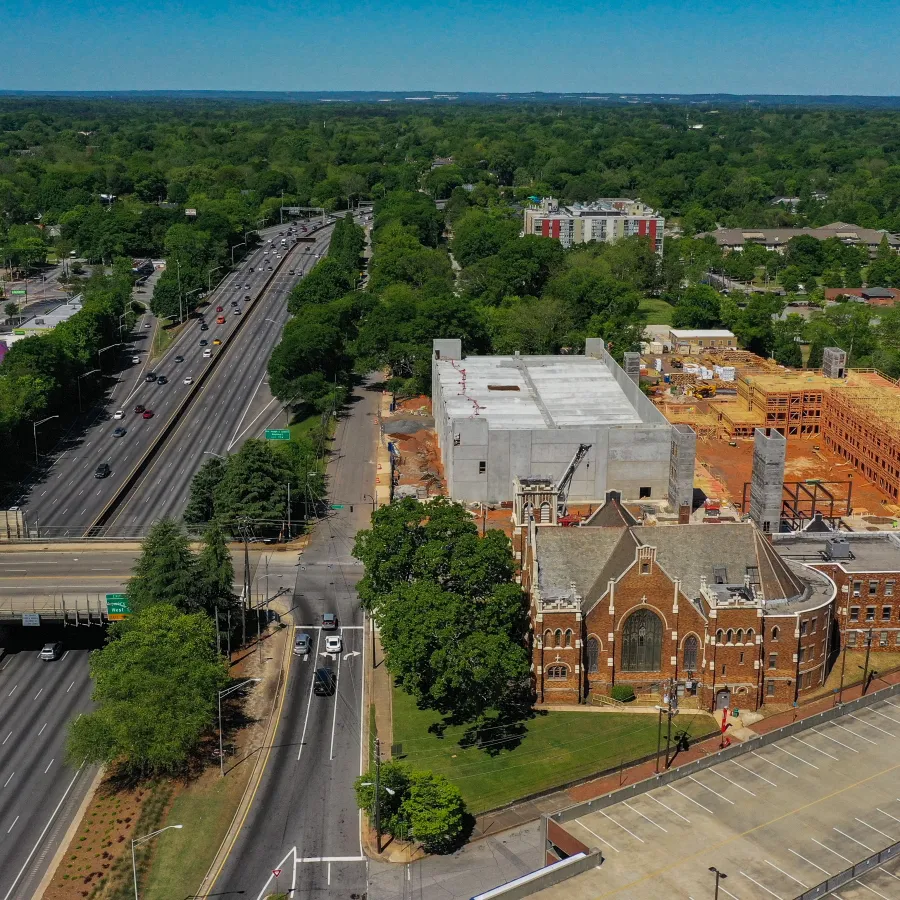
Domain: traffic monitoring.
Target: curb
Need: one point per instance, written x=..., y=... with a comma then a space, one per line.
x=240, y=814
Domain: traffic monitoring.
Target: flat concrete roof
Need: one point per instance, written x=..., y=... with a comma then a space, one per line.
x=534, y=392
x=871, y=552
x=687, y=333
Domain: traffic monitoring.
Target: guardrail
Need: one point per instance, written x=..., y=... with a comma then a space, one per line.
x=848, y=875
x=164, y=433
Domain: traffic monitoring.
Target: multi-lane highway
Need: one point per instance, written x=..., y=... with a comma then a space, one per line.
x=303, y=818
x=39, y=793
x=69, y=498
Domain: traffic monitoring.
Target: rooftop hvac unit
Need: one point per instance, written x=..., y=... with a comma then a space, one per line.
x=838, y=548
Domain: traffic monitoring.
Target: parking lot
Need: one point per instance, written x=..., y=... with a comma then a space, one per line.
x=776, y=821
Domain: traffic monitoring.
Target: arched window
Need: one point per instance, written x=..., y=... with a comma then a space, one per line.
x=750, y=636
x=593, y=656
x=568, y=637
x=729, y=636
x=719, y=634
x=548, y=638
x=775, y=633
x=642, y=642
x=557, y=673
x=690, y=653
x=545, y=512
x=558, y=637
x=739, y=637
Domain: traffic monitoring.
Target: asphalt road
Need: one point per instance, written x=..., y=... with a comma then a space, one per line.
x=39, y=793
x=68, y=498
x=234, y=404
x=303, y=818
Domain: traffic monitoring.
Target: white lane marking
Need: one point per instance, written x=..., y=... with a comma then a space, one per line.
x=771, y=893
x=69, y=688
x=877, y=807
x=858, y=736
x=731, y=782
x=337, y=687
x=751, y=772
x=38, y=694
x=864, y=885
x=882, y=869
x=786, y=874
x=864, y=722
x=889, y=718
x=810, y=862
x=707, y=788
x=16, y=819
x=669, y=808
x=878, y=831
x=12, y=691
x=594, y=833
x=312, y=684
x=611, y=819
x=8, y=780
x=769, y=761
x=6, y=738
x=794, y=755
x=838, y=855
x=855, y=841
x=836, y=741
x=811, y=747
x=49, y=764
x=40, y=732
x=656, y=824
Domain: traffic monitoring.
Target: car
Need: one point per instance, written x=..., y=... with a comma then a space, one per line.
x=139, y=408
x=236, y=311
x=220, y=320
x=148, y=413
x=234, y=303
x=280, y=233
x=247, y=286
x=179, y=358
x=290, y=271
x=247, y=297
x=329, y=621
x=324, y=683
x=52, y=651
x=207, y=353
x=203, y=342
x=265, y=252
x=204, y=326
x=135, y=359
x=102, y=471
x=302, y=644
x=333, y=643
x=270, y=240
x=151, y=376
x=219, y=308
x=146, y=324
x=119, y=432
x=188, y=380
x=119, y=414
x=162, y=380
x=238, y=286
x=216, y=342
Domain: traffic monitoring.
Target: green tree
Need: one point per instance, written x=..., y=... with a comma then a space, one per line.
x=435, y=811
x=201, y=502
x=254, y=486
x=215, y=570
x=165, y=572
x=698, y=307
x=155, y=687
x=394, y=788
x=477, y=234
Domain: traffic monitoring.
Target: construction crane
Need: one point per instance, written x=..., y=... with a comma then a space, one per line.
x=565, y=481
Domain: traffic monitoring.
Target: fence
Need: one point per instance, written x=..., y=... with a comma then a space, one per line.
x=842, y=878
x=70, y=609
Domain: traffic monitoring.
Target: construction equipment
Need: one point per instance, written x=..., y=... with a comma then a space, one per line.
x=703, y=391
x=676, y=363
x=565, y=481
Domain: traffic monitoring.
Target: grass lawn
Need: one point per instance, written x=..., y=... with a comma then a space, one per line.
x=163, y=338
x=658, y=311
x=557, y=747
x=881, y=660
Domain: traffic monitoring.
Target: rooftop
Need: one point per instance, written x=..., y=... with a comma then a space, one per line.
x=871, y=551
x=701, y=333
x=844, y=231
x=527, y=392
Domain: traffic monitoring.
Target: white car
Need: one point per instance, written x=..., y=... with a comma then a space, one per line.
x=189, y=380
x=333, y=643
x=135, y=359
x=207, y=353
x=119, y=414
x=146, y=324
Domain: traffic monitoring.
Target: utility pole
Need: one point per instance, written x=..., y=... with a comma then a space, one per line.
x=866, y=666
x=378, y=794
x=289, y=511
x=658, y=736
x=670, y=713
x=843, y=667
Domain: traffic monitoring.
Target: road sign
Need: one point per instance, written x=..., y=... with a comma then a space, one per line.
x=117, y=607
x=278, y=434
x=337, y=506
x=18, y=293
x=276, y=872
x=32, y=620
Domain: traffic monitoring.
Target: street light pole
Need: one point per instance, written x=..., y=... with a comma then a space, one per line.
x=78, y=382
x=141, y=840
x=35, y=425
x=719, y=876
x=209, y=279
x=103, y=350
x=241, y=244
x=370, y=497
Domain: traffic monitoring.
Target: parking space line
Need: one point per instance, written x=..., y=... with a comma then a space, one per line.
x=625, y=803
x=794, y=755
x=680, y=793
x=883, y=716
x=828, y=737
x=887, y=814
x=669, y=808
x=864, y=722
x=713, y=771
x=882, y=833
x=838, y=855
x=769, y=761
x=594, y=833
x=855, y=841
x=827, y=873
x=611, y=819
x=771, y=893
x=727, y=893
x=811, y=747
x=720, y=796
x=786, y=874
x=766, y=780
x=844, y=728
x=882, y=869
x=863, y=884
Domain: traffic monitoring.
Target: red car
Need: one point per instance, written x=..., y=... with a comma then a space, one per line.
x=139, y=408
x=148, y=413
x=218, y=309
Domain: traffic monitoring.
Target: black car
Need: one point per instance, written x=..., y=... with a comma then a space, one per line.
x=151, y=376
x=102, y=471
x=179, y=359
x=324, y=682
x=119, y=432
x=203, y=342
x=204, y=326
x=162, y=380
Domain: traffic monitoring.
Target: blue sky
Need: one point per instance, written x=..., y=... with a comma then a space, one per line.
x=743, y=46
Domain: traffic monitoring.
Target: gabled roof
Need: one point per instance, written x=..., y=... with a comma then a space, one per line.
x=566, y=555
x=611, y=514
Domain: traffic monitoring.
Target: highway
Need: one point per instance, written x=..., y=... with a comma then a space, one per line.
x=304, y=818
x=39, y=793
x=68, y=499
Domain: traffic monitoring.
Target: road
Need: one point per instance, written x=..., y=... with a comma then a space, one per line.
x=39, y=793
x=68, y=499
x=303, y=818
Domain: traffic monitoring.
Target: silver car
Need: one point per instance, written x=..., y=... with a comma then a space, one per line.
x=302, y=644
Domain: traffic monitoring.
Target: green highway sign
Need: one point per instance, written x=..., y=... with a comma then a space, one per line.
x=337, y=506
x=117, y=606
x=18, y=293
x=277, y=434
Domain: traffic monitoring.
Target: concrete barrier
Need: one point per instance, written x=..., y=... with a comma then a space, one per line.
x=544, y=878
